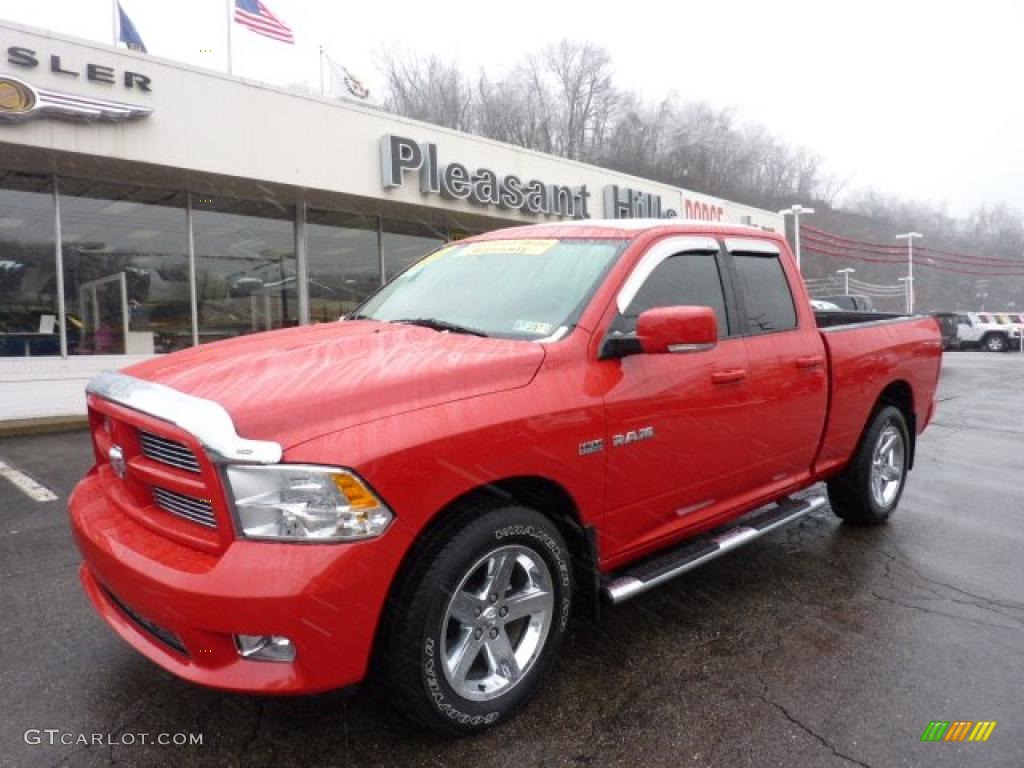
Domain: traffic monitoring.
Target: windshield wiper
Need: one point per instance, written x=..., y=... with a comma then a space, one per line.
x=440, y=325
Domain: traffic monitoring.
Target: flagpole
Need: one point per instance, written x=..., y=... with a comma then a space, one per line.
x=229, y=5
x=113, y=18
x=322, y=92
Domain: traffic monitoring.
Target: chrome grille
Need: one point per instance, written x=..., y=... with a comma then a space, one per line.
x=197, y=510
x=168, y=451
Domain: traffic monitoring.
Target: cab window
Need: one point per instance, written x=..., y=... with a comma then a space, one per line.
x=766, y=294
x=684, y=279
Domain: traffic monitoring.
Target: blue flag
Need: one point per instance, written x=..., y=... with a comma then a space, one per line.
x=129, y=34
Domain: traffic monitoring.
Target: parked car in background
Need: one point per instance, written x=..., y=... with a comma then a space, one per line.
x=825, y=306
x=854, y=302
x=983, y=330
x=948, y=328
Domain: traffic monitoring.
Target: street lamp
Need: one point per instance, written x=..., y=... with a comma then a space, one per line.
x=909, y=237
x=846, y=277
x=907, y=288
x=795, y=211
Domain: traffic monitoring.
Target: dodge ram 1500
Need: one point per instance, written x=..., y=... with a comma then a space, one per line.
x=520, y=426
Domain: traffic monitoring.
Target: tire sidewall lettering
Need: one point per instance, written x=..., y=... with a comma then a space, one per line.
x=437, y=694
x=548, y=543
x=436, y=687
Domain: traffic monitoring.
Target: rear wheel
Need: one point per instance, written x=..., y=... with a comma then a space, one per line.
x=867, y=491
x=473, y=631
x=995, y=342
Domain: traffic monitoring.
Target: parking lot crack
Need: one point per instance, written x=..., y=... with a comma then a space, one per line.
x=792, y=718
x=254, y=734
x=807, y=729
x=943, y=614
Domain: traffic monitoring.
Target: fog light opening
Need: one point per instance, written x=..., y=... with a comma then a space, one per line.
x=265, y=647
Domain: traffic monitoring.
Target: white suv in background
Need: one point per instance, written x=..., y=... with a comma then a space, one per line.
x=991, y=331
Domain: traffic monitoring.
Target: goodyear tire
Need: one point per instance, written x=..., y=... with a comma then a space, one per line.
x=868, y=490
x=477, y=621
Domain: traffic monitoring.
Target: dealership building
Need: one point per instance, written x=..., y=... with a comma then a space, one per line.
x=147, y=206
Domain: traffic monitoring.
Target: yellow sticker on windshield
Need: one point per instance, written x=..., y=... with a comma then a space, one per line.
x=523, y=247
x=431, y=257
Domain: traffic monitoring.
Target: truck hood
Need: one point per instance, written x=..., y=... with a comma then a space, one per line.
x=293, y=385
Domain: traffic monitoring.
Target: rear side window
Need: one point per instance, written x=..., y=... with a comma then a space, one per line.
x=683, y=279
x=766, y=294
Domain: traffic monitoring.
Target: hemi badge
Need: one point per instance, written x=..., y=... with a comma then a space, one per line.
x=591, y=446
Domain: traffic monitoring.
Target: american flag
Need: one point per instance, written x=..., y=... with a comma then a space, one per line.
x=257, y=17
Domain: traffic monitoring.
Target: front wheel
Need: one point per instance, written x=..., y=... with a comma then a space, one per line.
x=867, y=491
x=473, y=631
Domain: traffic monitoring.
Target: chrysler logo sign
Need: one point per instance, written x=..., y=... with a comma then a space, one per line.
x=20, y=101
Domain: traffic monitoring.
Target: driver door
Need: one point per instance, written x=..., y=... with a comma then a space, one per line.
x=677, y=424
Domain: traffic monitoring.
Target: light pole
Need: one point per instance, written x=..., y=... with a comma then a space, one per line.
x=909, y=237
x=795, y=211
x=907, y=283
x=846, y=277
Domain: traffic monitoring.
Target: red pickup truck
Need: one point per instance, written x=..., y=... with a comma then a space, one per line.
x=518, y=427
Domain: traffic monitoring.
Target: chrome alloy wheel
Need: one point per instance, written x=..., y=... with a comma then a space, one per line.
x=887, y=466
x=497, y=622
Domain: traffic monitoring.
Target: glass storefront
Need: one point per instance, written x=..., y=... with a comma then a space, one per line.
x=404, y=242
x=28, y=267
x=127, y=265
x=343, y=262
x=125, y=254
x=245, y=267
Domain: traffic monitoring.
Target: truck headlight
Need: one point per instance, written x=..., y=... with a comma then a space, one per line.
x=302, y=502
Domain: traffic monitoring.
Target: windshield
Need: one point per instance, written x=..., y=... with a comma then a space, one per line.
x=515, y=289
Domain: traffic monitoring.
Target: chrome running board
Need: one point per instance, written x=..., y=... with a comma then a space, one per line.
x=664, y=566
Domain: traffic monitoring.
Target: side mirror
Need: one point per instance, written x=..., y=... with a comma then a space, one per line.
x=677, y=329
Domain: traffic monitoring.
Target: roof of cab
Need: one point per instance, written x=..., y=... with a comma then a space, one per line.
x=623, y=228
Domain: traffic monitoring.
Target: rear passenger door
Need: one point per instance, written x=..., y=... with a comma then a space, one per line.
x=788, y=371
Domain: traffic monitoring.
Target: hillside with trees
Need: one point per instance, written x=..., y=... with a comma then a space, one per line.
x=563, y=100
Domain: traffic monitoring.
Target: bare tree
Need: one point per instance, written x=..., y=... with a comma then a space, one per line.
x=427, y=89
x=581, y=74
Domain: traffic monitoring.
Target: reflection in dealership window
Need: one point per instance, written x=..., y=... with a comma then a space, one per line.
x=245, y=266
x=406, y=242
x=125, y=251
x=343, y=262
x=28, y=282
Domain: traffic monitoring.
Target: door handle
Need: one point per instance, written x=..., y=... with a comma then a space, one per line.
x=810, y=361
x=729, y=376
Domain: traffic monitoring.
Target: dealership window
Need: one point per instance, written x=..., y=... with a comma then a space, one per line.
x=406, y=242
x=125, y=255
x=766, y=294
x=245, y=266
x=343, y=262
x=29, y=324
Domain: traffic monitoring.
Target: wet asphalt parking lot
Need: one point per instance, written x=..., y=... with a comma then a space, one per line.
x=819, y=645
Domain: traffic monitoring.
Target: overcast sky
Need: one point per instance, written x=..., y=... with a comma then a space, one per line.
x=918, y=99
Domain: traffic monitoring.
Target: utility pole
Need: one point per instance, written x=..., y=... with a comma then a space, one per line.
x=909, y=237
x=795, y=211
x=846, y=277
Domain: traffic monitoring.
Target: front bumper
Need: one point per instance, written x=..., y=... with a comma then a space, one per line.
x=181, y=607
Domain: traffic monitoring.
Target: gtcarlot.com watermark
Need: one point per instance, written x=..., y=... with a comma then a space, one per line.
x=55, y=736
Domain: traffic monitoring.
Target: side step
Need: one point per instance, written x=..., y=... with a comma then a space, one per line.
x=658, y=569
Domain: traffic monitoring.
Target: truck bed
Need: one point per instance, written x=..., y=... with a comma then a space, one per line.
x=868, y=353
x=834, y=318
